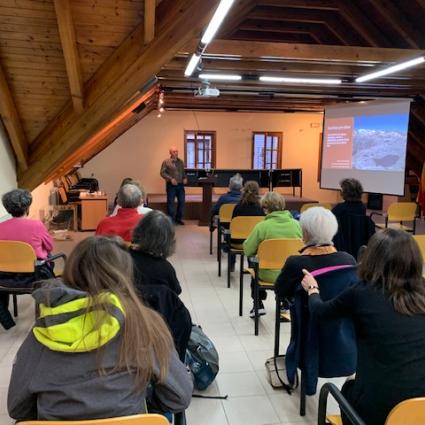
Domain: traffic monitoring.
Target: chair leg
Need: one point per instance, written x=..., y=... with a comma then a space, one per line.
x=219, y=251
x=229, y=262
x=302, y=396
x=211, y=242
x=15, y=305
x=241, y=286
x=256, y=305
x=277, y=328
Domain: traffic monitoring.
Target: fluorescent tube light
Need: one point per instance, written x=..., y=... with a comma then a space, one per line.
x=194, y=60
x=219, y=15
x=220, y=77
x=300, y=80
x=391, y=69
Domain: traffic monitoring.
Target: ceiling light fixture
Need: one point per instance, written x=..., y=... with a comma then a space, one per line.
x=390, y=70
x=290, y=80
x=194, y=60
x=219, y=15
x=221, y=77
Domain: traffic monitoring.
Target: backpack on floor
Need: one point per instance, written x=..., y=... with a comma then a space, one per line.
x=202, y=358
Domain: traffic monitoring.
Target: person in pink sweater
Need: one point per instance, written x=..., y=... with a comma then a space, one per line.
x=21, y=228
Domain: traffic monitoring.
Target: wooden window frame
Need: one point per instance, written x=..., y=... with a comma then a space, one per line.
x=213, y=146
x=279, y=135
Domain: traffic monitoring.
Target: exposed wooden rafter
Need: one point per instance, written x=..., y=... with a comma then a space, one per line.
x=11, y=121
x=362, y=24
x=257, y=49
x=130, y=67
x=397, y=21
x=70, y=52
x=149, y=20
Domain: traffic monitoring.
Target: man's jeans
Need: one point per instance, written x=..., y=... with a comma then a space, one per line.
x=172, y=193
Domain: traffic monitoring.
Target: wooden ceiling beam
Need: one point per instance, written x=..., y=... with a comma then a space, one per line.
x=70, y=52
x=130, y=67
x=360, y=22
x=398, y=23
x=149, y=20
x=238, y=14
x=11, y=121
x=291, y=51
x=301, y=4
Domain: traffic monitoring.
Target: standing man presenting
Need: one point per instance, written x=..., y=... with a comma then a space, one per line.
x=172, y=171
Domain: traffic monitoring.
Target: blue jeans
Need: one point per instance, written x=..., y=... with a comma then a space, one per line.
x=172, y=193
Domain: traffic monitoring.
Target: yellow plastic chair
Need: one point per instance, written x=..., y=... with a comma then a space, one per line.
x=147, y=419
x=315, y=204
x=19, y=257
x=408, y=412
x=224, y=218
x=240, y=228
x=399, y=212
x=271, y=254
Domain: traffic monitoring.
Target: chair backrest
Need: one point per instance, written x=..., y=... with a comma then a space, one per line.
x=272, y=253
x=402, y=211
x=420, y=240
x=315, y=204
x=65, y=183
x=17, y=257
x=62, y=195
x=322, y=348
x=354, y=231
x=148, y=419
x=225, y=213
x=73, y=179
x=410, y=412
x=241, y=226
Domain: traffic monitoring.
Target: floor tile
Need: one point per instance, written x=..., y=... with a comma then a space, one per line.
x=256, y=410
x=239, y=384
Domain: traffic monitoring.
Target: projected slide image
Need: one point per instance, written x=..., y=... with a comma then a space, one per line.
x=379, y=142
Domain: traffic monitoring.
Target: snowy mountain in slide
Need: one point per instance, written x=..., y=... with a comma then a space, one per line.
x=379, y=150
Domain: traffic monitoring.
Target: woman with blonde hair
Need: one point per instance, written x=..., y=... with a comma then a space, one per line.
x=278, y=223
x=96, y=351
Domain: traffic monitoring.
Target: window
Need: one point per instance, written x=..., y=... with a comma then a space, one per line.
x=199, y=149
x=266, y=150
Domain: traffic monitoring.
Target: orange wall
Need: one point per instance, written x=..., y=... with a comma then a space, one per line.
x=139, y=152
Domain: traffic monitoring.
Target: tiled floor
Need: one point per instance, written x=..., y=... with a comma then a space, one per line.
x=251, y=400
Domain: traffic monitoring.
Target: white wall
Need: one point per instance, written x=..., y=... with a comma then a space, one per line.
x=139, y=152
x=7, y=168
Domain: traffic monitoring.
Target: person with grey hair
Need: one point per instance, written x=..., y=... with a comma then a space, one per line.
x=129, y=198
x=232, y=196
x=319, y=226
x=141, y=209
x=153, y=242
x=19, y=227
x=278, y=223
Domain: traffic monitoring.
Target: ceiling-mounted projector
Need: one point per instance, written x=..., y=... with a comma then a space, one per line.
x=206, y=91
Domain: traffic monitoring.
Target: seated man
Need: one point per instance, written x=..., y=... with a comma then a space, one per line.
x=122, y=224
x=232, y=196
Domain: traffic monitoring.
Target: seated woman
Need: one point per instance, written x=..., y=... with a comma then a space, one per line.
x=318, y=226
x=388, y=311
x=249, y=203
x=351, y=192
x=141, y=209
x=153, y=242
x=155, y=278
x=96, y=351
x=17, y=203
x=278, y=223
